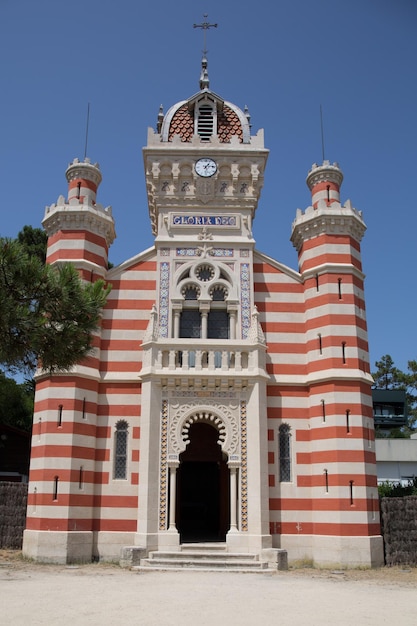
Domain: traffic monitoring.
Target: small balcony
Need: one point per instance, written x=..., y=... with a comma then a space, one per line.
x=212, y=357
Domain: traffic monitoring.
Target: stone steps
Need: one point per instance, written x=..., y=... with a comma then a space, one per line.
x=203, y=557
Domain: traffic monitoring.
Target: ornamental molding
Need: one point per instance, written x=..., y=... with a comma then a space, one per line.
x=95, y=219
x=327, y=220
x=324, y=173
x=222, y=417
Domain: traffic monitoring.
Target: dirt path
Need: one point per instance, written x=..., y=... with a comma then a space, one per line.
x=32, y=594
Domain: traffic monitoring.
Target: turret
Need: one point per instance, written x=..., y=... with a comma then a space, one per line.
x=324, y=182
x=79, y=229
x=83, y=181
x=327, y=237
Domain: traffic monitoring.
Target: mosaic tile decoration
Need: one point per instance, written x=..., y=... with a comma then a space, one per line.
x=163, y=298
x=216, y=252
x=244, y=468
x=163, y=477
x=244, y=253
x=188, y=251
x=221, y=252
x=205, y=393
x=164, y=251
x=245, y=298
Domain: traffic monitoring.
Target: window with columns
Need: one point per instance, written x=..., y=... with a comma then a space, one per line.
x=206, y=304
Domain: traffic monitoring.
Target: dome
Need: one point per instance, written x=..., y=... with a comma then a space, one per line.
x=207, y=115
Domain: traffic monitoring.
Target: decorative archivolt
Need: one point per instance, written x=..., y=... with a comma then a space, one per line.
x=205, y=276
x=221, y=417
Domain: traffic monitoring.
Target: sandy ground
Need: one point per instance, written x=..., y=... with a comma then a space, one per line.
x=32, y=594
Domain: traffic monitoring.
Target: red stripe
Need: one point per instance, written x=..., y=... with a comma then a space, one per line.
x=84, y=183
x=319, y=504
x=335, y=432
x=326, y=239
x=337, y=456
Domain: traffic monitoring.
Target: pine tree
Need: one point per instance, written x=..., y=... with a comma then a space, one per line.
x=387, y=375
x=47, y=314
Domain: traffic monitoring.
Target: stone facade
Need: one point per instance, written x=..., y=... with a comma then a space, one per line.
x=228, y=398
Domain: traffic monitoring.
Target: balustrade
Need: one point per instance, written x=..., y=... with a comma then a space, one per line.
x=218, y=357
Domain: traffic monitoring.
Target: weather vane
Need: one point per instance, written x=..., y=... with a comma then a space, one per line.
x=205, y=26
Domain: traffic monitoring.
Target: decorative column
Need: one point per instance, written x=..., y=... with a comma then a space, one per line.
x=177, y=315
x=232, y=323
x=204, y=310
x=233, y=499
x=172, y=495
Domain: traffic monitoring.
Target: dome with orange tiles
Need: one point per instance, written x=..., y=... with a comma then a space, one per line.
x=206, y=115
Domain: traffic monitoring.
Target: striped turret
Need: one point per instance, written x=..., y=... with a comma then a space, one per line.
x=327, y=238
x=338, y=452
x=83, y=181
x=324, y=182
x=63, y=460
x=80, y=230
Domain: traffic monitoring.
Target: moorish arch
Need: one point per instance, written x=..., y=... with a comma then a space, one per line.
x=222, y=417
x=204, y=449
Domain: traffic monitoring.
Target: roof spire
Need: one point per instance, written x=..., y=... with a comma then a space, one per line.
x=205, y=25
x=204, y=79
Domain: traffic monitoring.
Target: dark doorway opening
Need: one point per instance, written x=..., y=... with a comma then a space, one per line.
x=203, y=508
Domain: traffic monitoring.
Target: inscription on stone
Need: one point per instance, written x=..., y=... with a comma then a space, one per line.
x=205, y=220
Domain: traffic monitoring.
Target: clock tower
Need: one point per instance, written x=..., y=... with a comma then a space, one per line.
x=204, y=357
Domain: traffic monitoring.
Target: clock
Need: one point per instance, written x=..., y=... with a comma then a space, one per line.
x=206, y=167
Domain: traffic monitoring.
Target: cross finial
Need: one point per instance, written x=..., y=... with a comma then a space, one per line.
x=205, y=25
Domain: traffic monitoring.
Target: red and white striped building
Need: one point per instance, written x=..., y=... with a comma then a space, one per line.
x=228, y=397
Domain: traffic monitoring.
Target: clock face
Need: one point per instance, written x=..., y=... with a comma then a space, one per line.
x=205, y=167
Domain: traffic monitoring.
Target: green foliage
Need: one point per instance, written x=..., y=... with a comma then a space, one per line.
x=387, y=376
x=34, y=241
x=47, y=313
x=397, y=490
x=16, y=402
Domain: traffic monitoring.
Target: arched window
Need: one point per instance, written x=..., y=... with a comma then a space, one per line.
x=120, y=450
x=218, y=294
x=190, y=293
x=284, y=443
x=204, y=294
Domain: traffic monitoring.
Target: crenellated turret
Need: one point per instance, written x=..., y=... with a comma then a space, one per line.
x=80, y=230
x=83, y=181
x=324, y=182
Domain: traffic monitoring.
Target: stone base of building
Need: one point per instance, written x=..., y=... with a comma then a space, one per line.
x=107, y=545
x=324, y=551
x=58, y=547
x=245, y=542
x=85, y=547
x=74, y=546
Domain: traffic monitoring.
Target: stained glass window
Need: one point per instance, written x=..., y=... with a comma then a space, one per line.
x=190, y=324
x=120, y=450
x=284, y=443
x=218, y=325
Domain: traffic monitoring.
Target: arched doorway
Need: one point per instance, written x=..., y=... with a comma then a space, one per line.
x=203, y=503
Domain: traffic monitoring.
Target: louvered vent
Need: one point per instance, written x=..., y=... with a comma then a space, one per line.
x=205, y=122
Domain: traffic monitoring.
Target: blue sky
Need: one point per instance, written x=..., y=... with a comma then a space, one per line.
x=355, y=58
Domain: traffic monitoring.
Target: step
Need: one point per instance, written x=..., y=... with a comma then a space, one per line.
x=211, y=546
x=202, y=555
x=206, y=557
x=203, y=563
